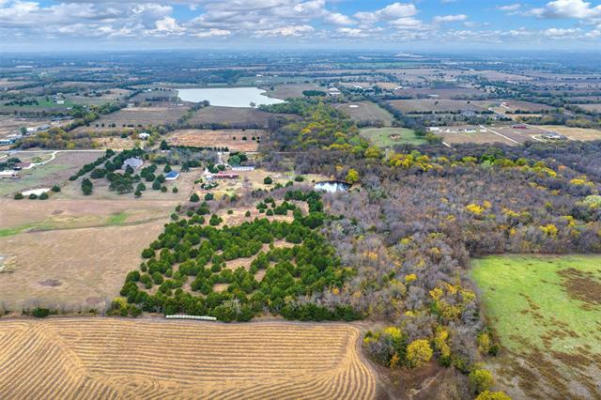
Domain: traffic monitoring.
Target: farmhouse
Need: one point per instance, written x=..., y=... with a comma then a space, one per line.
x=133, y=162
x=171, y=176
x=144, y=135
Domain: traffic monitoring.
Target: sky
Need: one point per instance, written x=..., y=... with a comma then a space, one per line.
x=67, y=25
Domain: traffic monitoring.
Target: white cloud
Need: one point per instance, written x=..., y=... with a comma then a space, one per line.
x=579, y=9
x=449, y=18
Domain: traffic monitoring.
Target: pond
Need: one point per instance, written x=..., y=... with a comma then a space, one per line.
x=332, y=186
x=228, y=97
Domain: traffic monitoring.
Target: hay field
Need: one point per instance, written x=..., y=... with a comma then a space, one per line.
x=120, y=359
x=230, y=138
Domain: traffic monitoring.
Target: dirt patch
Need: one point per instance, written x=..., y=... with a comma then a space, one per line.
x=581, y=285
x=51, y=283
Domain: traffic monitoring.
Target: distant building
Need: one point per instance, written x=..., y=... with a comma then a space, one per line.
x=9, y=174
x=243, y=168
x=171, y=176
x=133, y=162
x=144, y=135
x=520, y=126
x=553, y=136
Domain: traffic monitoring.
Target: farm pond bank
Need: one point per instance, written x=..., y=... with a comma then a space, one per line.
x=228, y=97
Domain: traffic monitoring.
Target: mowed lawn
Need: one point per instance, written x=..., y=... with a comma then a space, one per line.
x=546, y=303
x=389, y=137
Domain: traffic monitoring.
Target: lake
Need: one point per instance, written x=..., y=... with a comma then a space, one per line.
x=228, y=97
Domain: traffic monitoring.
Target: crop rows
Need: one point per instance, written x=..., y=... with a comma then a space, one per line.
x=115, y=359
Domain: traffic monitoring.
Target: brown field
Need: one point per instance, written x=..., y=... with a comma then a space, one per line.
x=590, y=107
x=436, y=105
x=574, y=133
x=505, y=134
x=71, y=269
x=121, y=359
x=286, y=91
x=134, y=118
x=116, y=143
x=444, y=93
x=113, y=96
x=366, y=111
x=230, y=138
x=53, y=214
x=233, y=117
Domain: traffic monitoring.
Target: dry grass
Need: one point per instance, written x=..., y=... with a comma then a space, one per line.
x=366, y=111
x=230, y=138
x=574, y=133
x=233, y=117
x=436, y=105
x=113, y=359
x=134, y=118
x=89, y=264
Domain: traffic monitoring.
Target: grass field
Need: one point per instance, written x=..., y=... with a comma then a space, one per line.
x=546, y=311
x=119, y=359
x=54, y=172
x=389, y=137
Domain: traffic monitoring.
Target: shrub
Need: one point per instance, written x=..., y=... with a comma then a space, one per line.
x=44, y=196
x=481, y=380
x=299, y=178
x=19, y=196
x=486, y=395
x=33, y=196
x=215, y=220
x=268, y=180
x=247, y=214
x=194, y=198
x=87, y=187
x=174, y=190
x=419, y=353
x=56, y=188
x=209, y=196
x=40, y=312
